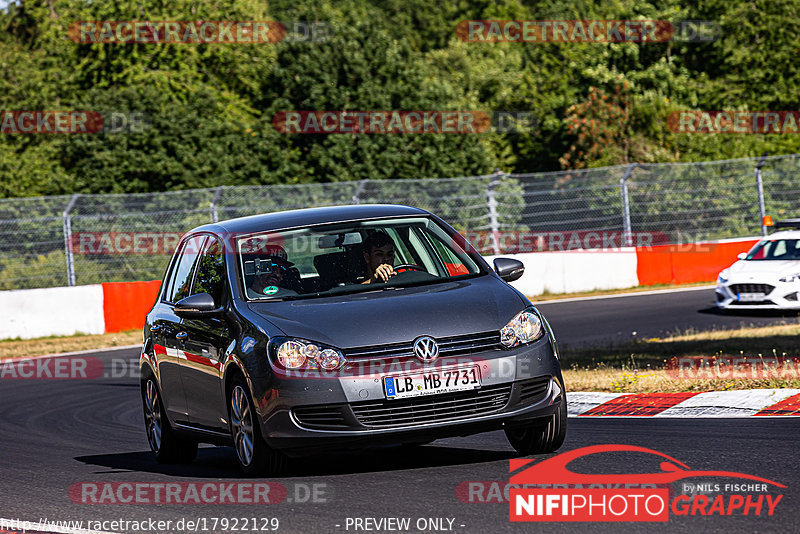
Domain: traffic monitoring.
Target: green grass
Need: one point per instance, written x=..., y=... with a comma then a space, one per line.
x=641, y=365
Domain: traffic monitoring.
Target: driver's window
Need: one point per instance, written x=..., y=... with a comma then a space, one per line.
x=211, y=272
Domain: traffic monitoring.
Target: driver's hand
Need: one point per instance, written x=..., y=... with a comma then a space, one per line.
x=383, y=273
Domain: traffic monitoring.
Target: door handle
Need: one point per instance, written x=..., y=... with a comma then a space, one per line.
x=181, y=336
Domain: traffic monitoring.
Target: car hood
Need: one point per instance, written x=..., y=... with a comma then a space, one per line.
x=771, y=268
x=394, y=316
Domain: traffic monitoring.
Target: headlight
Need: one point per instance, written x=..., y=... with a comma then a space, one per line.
x=301, y=354
x=524, y=328
x=723, y=276
x=791, y=278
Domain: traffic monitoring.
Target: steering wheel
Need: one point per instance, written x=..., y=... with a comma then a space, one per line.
x=405, y=267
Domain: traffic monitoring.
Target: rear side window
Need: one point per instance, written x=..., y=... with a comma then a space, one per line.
x=181, y=282
x=211, y=272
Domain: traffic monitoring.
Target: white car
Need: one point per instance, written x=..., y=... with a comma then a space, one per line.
x=766, y=277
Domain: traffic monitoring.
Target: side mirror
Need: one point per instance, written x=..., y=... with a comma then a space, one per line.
x=508, y=269
x=195, y=306
x=742, y=255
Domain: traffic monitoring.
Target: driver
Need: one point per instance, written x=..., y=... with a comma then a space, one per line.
x=379, y=256
x=268, y=280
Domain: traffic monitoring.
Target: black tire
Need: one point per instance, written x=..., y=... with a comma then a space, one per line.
x=541, y=437
x=259, y=458
x=167, y=446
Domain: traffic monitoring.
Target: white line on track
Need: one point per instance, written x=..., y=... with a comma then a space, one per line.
x=618, y=295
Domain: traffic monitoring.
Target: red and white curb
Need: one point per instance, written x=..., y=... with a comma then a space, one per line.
x=735, y=403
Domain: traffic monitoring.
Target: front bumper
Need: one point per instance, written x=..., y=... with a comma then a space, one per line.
x=776, y=295
x=305, y=416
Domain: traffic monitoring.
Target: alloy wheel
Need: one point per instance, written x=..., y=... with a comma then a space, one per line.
x=152, y=415
x=242, y=422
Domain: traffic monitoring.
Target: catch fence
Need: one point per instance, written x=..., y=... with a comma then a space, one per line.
x=41, y=238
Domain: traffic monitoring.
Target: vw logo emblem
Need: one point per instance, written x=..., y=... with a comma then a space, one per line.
x=426, y=349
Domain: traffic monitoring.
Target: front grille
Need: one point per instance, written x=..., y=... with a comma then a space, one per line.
x=322, y=417
x=432, y=409
x=754, y=303
x=751, y=288
x=448, y=346
x=533, y=389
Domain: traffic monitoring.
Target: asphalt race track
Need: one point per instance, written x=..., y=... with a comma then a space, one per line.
x=621, y=318
x=59, y=433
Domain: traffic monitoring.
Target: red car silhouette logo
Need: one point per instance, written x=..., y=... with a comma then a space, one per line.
x=554, y=470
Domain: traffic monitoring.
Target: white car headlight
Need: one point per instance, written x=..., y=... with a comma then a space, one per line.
x=525, y=327
x=791, y=278
x=302, y=354
x=723, y=276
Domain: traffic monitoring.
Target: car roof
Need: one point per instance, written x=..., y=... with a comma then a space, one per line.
x=785, y=234
x=307, y=217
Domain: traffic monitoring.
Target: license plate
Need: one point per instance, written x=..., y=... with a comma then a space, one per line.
x=432, y=382
x=751, y=297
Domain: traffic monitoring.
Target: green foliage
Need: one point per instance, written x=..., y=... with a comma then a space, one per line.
x=210, y=107
x=175, y=145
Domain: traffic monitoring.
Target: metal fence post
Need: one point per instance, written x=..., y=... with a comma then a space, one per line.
x=217, y=194
x=627, y=235
x=760, y=185
x=68, y=240
x=491, y=204
x=360, y=189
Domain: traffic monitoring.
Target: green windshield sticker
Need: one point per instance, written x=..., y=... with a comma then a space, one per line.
x=269, y=290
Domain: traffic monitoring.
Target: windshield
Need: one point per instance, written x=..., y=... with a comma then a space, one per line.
x=350, y=257
x=778, y=249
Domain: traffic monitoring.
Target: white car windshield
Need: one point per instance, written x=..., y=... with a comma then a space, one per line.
x=350, y=257
x=777, y=249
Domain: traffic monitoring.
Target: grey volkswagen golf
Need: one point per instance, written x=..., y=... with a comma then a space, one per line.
x=292, y=333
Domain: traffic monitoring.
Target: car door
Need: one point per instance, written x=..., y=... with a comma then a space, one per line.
x=169, y=344
x=204, y=344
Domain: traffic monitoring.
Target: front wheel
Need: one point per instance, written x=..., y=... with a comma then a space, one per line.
x=165, y=443
x=255, y=457
x=541, y=437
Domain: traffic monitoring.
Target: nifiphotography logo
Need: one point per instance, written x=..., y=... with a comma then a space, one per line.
x=548, y=491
